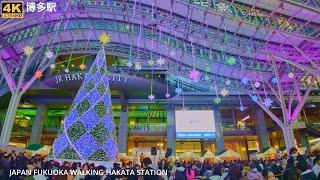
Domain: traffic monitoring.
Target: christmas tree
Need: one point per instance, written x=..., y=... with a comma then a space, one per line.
x=88, y=132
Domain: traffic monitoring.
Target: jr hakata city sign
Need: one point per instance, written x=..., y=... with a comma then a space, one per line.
x=73, y=80
x=80, y=76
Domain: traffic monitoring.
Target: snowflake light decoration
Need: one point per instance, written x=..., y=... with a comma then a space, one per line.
x=161, y=61
x=231, y=61
x=28, y=50
x=207, y=78
x=194, y=75
x=151, y=62
x=217, y=100
x=274, y=80
x=129, y=64
x=254, y=98
x=172, y=53
x=167, y=95
x=228, y=82
x=151, y=97
x=291, y=75
x=245, y=80
x=49, y=54
x=38, y=74
x=178, y=90
x=104, y=38
x=137, y=66
x=222, y=7
x=224, y=92
x=267, y=102
x=207, y=68
x=82, y=66
x=52, y=66
x=66, y=70
x=257, y=84
x=241, y=108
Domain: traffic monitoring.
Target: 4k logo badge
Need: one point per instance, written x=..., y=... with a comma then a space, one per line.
x=11, y=9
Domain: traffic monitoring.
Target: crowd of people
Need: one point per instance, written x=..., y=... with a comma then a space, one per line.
x=295, y=166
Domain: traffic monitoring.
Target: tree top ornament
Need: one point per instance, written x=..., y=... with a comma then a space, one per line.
x=104, y=38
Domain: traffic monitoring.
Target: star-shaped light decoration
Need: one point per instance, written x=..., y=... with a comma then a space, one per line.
x=267, y=102
x=231, y=61
x=228, y=82
x=291, y=75
x=151, y=97
x=257, y=84
x=178, y=90
x=66, y=70
x=194, y=75
x=224, y=92
x=28, y=50
x=129, y=64
x=168, y=95
x=137, y=66
x=241, y=108
x=274, y=80
x=217, y=100
x=52, y=66
x=49, y=54
x=82, y=66
x=38, y=74
x=254, y=98
x=104, y=38
x=245, y=80
x=161, y=61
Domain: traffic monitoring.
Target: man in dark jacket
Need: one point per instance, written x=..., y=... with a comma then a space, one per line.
x=180, y=172
x=305, y=173
x=291, y=170
x=276, y=168
x=147, y=165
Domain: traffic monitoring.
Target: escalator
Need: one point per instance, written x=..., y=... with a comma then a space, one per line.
x=313, y=129
x=309, y=127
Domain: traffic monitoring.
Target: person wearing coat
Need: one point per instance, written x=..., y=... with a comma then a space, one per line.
x=305, y=173
x=254, y=174
x=316, y=167
x=180, y=172
x=290, y=171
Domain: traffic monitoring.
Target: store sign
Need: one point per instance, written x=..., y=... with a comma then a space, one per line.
x=80, y=76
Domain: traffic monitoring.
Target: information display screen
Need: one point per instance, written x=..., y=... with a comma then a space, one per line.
x=195, y=124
